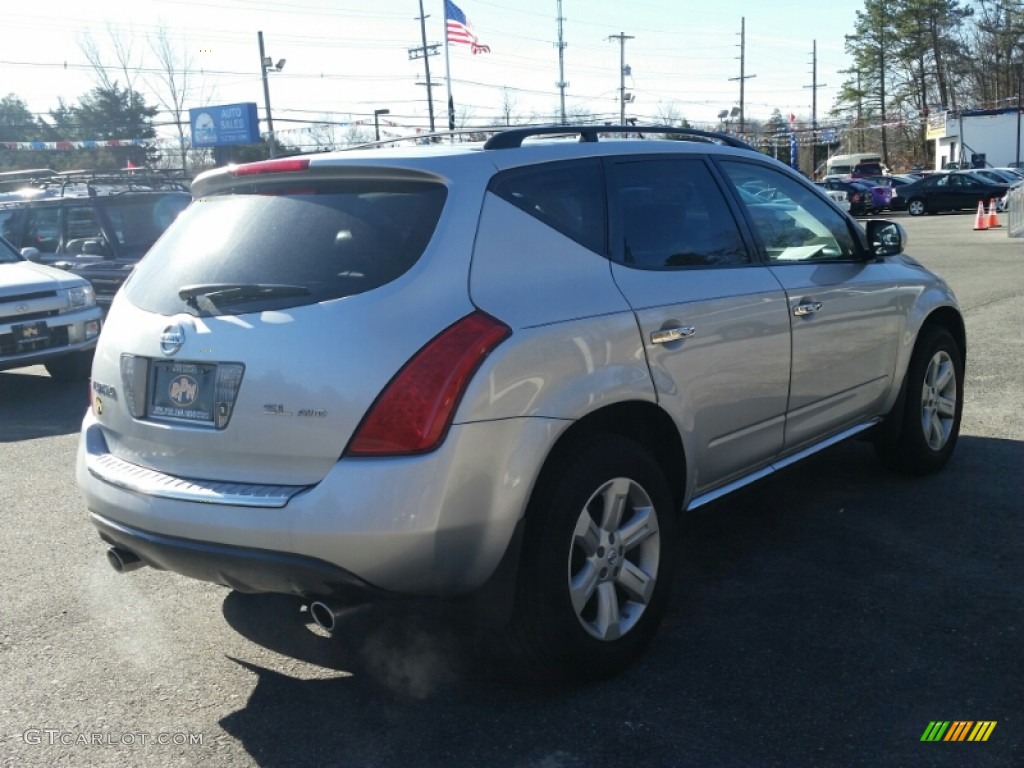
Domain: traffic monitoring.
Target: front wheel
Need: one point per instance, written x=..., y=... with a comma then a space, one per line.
x=597, y=561
x=932, y=403
x=916, y=207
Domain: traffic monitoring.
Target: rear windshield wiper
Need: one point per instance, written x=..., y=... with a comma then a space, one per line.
x=228, y=293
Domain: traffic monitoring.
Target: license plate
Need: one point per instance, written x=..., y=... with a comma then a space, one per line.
x=183, y=391
x=29, y=335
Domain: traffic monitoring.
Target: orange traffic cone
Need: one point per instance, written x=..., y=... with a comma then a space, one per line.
x=981, y=220
x=993, y=215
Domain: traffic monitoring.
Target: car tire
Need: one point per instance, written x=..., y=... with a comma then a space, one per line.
x=919, y=435
x=597, y=561
x=916, y=207
x=74, y=366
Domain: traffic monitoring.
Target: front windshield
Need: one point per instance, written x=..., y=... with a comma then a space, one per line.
x=7, y=253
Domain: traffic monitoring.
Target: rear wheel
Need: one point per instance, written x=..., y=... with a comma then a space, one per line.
x=921, y=438
x=74, y=366
x=597, y=562
x=916, y=207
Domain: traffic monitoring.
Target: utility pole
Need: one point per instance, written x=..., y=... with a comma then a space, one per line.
x=743, y=57
x=266, y=95
x=814, y=86
x=425, y=52
x=560, y=45
x=622, y=38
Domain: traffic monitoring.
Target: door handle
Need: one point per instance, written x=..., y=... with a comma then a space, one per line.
x=667, y=335
x=807, y=308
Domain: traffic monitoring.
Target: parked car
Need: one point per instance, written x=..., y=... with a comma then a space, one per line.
x=95, y=224
x=995, y=176
x=893, y=180
x=946, y=192
x=860, y=194
x=837, y=195
x=497, y=373
x=47, y=317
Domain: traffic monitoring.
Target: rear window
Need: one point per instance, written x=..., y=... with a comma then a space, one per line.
x=325, y=240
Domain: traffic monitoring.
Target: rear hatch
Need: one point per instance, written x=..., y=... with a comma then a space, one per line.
x=250, y=342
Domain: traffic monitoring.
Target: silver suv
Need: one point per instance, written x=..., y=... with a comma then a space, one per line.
x=47, y=316
x=499, y=371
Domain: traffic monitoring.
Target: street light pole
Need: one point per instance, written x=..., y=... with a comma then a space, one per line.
x=266, y=96
x=1020, y=72
x=376, y=121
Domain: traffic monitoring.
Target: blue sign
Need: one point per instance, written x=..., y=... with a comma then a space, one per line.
x=224, y=125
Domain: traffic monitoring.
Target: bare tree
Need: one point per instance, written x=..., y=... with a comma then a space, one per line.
x=356, y=134
x=175, y=66
x=126, y=67
x=321, y=136
x=508, y=107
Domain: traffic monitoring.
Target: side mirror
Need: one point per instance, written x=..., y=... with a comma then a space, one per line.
x=32, y=254
x=887, y=238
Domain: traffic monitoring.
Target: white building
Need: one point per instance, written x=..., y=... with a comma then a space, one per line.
x=984, y=136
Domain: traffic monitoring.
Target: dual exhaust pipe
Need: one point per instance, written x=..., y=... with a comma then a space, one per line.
x=326, y=616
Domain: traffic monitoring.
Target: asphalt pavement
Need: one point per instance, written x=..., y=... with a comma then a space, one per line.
x=824, y=617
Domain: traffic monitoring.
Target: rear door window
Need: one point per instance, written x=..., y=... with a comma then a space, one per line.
x=325, y=240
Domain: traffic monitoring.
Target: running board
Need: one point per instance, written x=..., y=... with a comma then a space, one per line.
x=753, y=477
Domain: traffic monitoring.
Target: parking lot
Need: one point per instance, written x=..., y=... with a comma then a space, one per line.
x=823, y=617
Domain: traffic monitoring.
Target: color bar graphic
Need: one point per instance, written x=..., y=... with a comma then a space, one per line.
x=958, y=730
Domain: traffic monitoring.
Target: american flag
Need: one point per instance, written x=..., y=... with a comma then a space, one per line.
x=459, y=30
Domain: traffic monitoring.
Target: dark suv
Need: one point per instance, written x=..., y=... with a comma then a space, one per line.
x=97, y=225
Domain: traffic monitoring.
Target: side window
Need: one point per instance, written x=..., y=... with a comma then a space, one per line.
x=671, y=214
x=568, y=197
x=42, y=229
x=80, y=226
x=794, y=223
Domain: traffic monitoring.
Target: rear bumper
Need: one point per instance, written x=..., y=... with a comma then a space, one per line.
x=430, y=525
x=244, y=569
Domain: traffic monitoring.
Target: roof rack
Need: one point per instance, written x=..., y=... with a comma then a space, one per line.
x=98, y=181
x=513, y=137
x=27, y=177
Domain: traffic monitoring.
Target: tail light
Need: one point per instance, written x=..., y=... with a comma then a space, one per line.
x=416, y=408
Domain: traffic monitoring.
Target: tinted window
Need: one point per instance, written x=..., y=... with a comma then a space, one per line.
x=672, y=215
x=795, y=223
x=568, y=197
x=42, y=228
x=80, y=226
x=138, y=222
x=331, y=239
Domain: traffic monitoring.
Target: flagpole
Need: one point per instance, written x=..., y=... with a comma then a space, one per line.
x=448, y=79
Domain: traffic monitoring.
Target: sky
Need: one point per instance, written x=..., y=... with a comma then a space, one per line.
x=344, y=59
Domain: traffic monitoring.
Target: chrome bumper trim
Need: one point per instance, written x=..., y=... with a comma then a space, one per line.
x=149, y=482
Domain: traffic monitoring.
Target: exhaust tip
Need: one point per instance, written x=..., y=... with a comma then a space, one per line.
x=123, y=561
x=324, y=615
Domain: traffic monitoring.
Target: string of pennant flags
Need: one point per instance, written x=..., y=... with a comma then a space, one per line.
x=803, y=134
